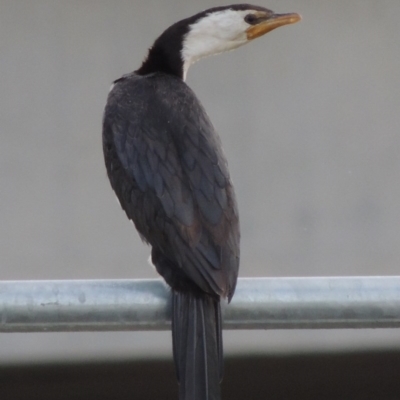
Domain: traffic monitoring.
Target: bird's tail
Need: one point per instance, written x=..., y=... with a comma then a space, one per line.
x=197, y=345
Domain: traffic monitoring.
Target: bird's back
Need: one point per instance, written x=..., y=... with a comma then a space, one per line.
x=166, y=165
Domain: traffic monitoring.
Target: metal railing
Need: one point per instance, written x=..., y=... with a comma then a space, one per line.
x=259, y=303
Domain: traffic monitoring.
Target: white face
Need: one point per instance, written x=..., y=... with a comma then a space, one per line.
x=215, y=33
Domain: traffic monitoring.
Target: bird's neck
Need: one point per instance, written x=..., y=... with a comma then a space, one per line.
x=166, y=53
x=186, y=42
x=158, y=60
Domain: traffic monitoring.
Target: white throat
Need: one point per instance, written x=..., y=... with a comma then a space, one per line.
x=215, y=33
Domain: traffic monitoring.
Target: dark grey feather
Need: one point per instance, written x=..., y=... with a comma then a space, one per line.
x=166, y=164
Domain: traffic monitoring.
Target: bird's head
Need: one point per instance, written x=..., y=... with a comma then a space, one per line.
x=214, y=31
x=226, y=28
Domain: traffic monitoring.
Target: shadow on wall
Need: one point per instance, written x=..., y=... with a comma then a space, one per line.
x=359, y=376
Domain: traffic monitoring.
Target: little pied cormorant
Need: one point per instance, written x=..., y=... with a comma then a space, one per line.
x=166, y=165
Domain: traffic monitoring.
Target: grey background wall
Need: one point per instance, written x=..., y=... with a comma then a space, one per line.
x=309, y=117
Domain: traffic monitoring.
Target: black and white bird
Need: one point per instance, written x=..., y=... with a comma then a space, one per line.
x=166, y=165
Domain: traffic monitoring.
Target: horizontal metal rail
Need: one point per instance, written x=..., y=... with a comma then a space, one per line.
x=259, y=303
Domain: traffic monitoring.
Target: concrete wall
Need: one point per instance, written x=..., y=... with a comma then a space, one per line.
x=309, y=116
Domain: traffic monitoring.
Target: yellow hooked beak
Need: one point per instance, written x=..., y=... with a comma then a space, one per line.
x=274, y=21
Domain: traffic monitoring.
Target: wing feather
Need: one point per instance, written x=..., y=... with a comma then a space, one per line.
x=161, y=148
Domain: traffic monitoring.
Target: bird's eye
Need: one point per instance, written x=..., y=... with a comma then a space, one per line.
x=251, y=19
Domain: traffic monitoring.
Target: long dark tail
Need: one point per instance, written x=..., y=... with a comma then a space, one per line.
x=197, y=345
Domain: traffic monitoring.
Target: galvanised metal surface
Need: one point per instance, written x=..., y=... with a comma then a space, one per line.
x=259, y=303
